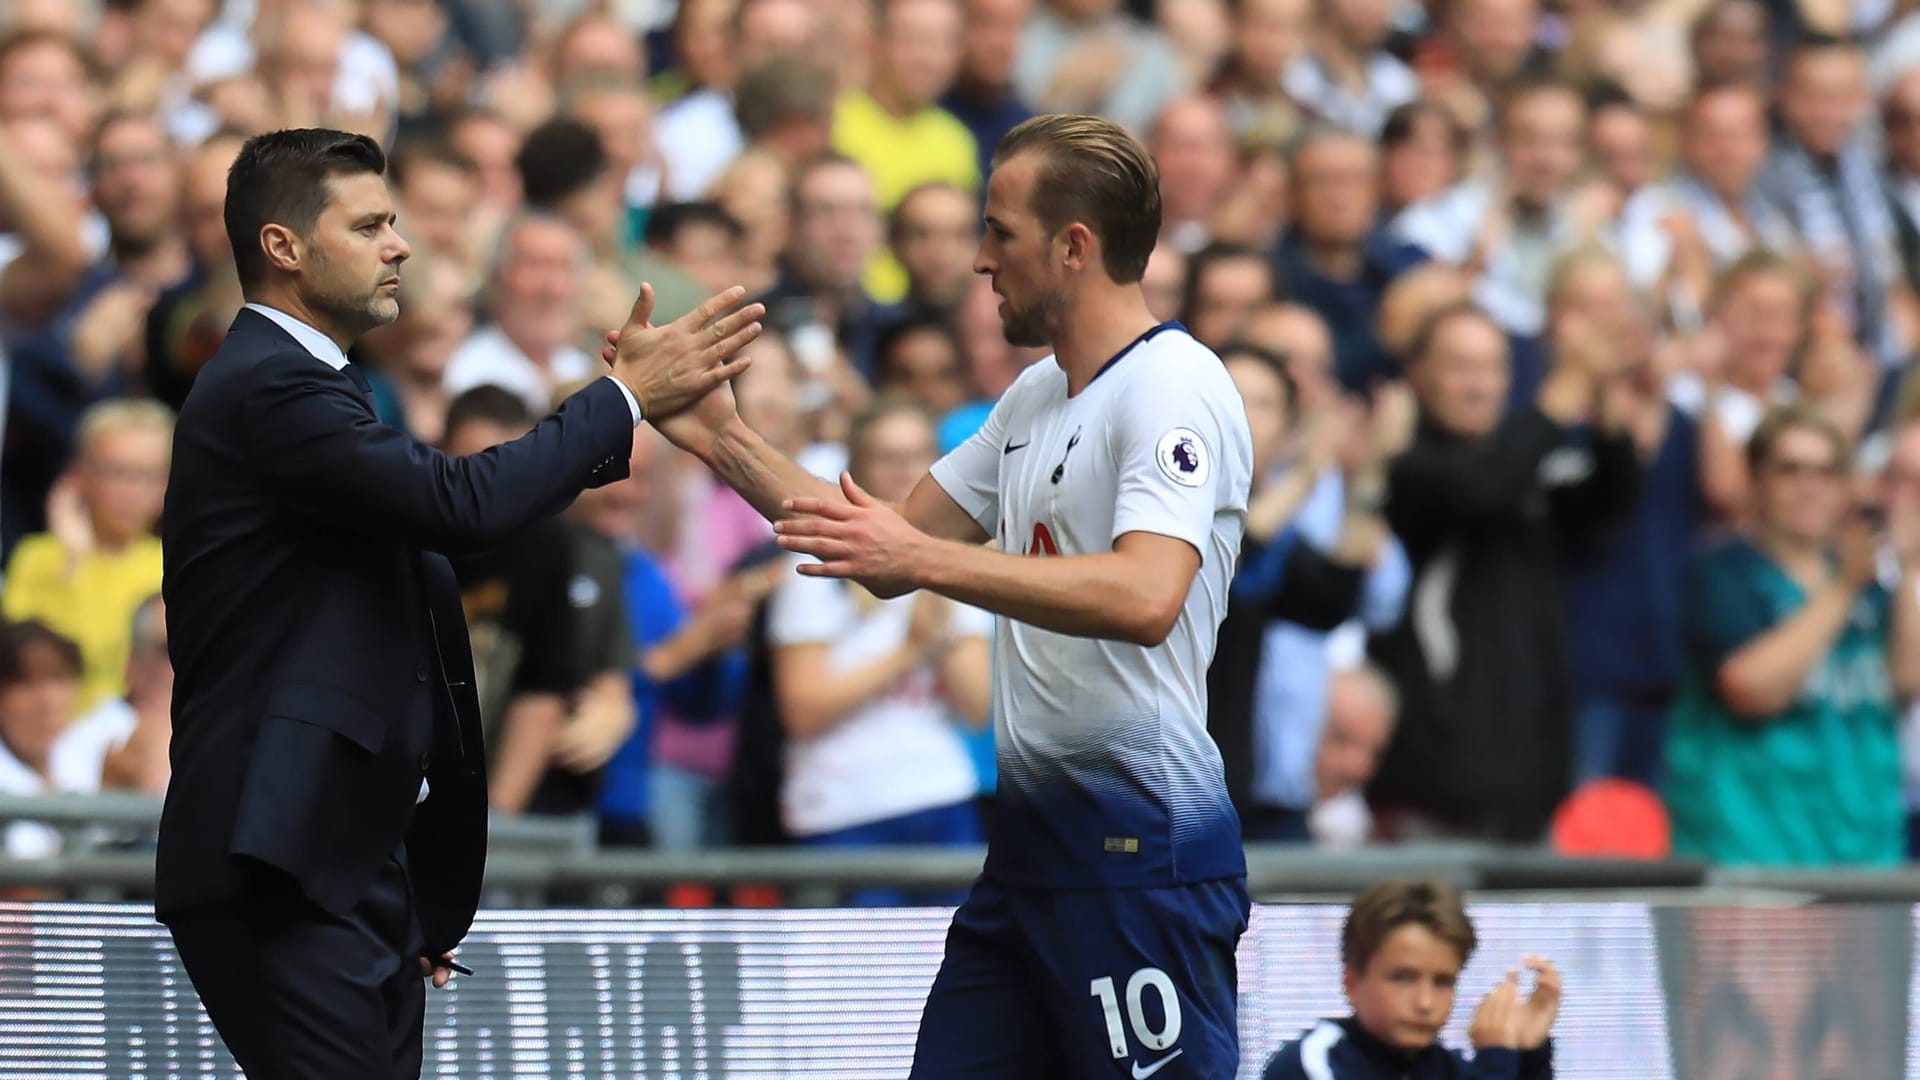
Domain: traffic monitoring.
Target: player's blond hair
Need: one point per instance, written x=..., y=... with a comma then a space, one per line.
x=123, y=414
x=1094, y=173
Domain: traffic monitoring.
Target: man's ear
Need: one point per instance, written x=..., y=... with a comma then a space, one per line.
x=282, y=247
x=1080, y=247
x=1349, y=978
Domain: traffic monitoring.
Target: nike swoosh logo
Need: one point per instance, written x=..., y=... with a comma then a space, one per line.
x=1142, y=1074
x=1011, y=447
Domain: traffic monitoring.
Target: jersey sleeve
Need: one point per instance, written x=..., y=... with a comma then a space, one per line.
x=1179, y=455
x=806, y=611
x=970, y=472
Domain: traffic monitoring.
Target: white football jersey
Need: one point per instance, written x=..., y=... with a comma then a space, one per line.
x=1107, y=774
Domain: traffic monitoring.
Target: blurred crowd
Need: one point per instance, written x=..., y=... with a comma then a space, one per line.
x=1574, y=337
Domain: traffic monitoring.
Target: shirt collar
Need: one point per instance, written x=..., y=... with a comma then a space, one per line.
x=320, y=345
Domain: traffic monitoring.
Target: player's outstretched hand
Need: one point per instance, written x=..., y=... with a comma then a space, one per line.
x=670, y=367
x=863, y=539
x=1542, y=1007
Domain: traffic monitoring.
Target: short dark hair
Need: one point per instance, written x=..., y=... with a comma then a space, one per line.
x=1093, y=172
x=1390, y=905
x=1211, y=256
x=280, y=178
x=918, y=323
x=487, y=404
x=17, y=639
x=667, y=221
x=1404, y=121
x=559, y=159
x=414, y=153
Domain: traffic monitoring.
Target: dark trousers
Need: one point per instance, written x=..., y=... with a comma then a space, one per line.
x=305, y=995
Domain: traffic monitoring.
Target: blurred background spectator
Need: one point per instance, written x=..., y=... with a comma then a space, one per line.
x=1509, y=287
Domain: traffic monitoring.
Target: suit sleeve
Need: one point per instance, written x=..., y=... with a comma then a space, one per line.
x=328, y=458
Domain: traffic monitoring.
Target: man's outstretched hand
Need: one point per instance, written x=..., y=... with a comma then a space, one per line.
x=863, y=539
x=670, y=367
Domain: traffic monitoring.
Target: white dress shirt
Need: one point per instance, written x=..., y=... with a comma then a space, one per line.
x=328, y=352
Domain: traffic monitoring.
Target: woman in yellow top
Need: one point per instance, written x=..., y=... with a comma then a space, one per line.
x=99, y=558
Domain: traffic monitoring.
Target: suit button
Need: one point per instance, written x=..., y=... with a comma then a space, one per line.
x=419, y=674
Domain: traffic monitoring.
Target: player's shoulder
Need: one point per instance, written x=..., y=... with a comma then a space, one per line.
x=1171, y=359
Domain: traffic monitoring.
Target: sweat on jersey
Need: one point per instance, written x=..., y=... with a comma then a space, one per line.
x=1343, y=1050
x=1108, y=777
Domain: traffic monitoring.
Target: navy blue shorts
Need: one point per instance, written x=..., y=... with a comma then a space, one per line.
x=1050, y=983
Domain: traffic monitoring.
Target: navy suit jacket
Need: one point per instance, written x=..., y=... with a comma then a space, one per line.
x=321, y=654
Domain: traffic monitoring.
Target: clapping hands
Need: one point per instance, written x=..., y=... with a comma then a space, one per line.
x=1505, y=1020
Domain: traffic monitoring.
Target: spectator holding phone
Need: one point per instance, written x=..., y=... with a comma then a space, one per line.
x=1784, y=749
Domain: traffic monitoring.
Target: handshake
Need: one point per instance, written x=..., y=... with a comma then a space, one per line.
x=679, y=373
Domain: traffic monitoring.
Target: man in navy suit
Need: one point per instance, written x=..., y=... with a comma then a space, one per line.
x=325, y=828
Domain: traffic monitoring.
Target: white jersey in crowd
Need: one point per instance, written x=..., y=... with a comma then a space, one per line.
x=1107, y=774
x=897, y=754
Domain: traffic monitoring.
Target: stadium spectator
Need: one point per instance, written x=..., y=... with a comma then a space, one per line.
x=100, y=556
x=1334, y=258
x=698, y=134
x=1362, y=709
x=982, y=96
x=1901, y=115
x=1730, y=42
x=1783, y=748
x=122, y=742
x=1192, y=137
x=48, y=237
x=1402, y=949
x=836, y=227
x=1620, y=145
x=933, y=233
x=756, y=192
x=1226, y=283
x=1165, y=281
x=533, y=319
x=1709, y=211
x=44, y=74
x=1508, y=230
x=1626, y=586
x=407, y=359
x=1485, y=506
x=1298, y=334
x=1761, y=309
x=869, y=689
x=436, y=189
x=699, y=238
x=1423, y=152
x=622, y=115
x=923, y=360
x=86, y=349
x=1822, y=174
x=895, y=130
x=1089, y=56
x=1345, y=77
x=484, y=139
x=39, y=685
x=1484, y=48
x=189, y=320
x=670, y=641
x=1315, y=555
x=525, y=657
x=785, y=108
x=1899, y=487
x=1267, y=35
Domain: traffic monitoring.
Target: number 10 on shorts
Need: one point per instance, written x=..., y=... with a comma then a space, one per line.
x=1137, y=985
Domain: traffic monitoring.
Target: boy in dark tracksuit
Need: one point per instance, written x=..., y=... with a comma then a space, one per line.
x=1404, y=946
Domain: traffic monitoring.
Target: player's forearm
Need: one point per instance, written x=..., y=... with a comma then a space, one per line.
x=762, y=475
x=1096, y=596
